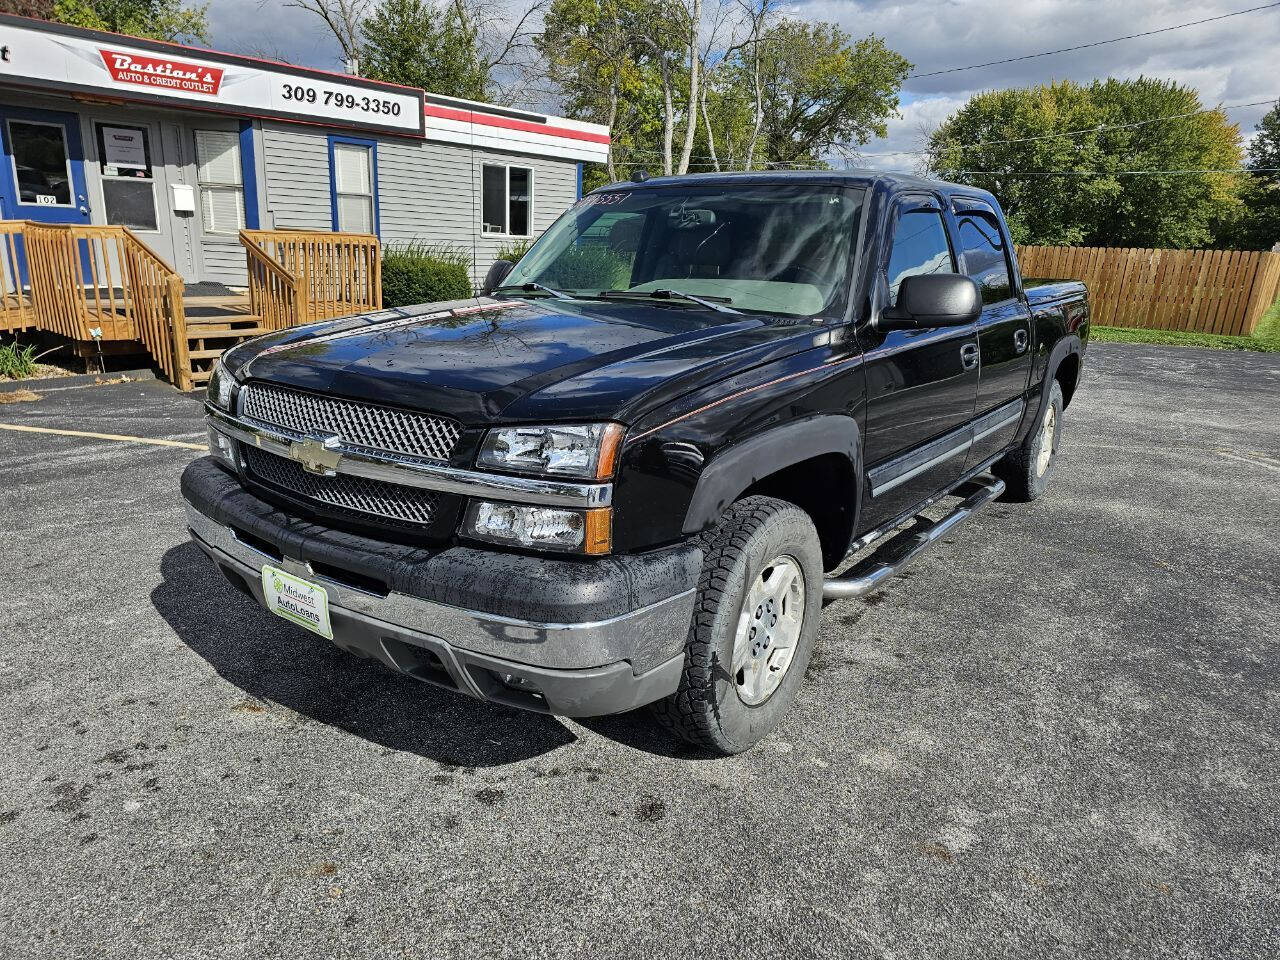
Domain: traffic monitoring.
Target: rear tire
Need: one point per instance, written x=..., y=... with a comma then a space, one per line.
x=754, y=623
x=1026, y=470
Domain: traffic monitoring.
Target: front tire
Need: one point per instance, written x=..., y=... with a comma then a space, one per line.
x=1026, y=470
x=753, y=629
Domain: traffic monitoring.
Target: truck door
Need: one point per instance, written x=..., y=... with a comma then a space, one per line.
x=921, y=384
x=1004, y=329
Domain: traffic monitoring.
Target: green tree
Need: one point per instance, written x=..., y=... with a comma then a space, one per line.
x=1258, y=226
x=605, y=73
x=157, y=19
x=419, y=44
x=823, y=93
x=1060, y=158
x=681, y=90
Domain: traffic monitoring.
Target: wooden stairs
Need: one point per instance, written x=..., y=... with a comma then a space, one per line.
x=215, y=325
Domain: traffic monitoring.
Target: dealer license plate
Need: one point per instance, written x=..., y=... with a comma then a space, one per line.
x=298, y=601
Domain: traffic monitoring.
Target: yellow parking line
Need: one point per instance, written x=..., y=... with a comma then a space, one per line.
x=104, y=436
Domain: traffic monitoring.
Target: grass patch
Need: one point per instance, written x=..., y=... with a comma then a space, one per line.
x=17, y=362
x=1269, y=325
x=1266, y=342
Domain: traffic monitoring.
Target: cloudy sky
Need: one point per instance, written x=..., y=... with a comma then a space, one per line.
x=1229, y=61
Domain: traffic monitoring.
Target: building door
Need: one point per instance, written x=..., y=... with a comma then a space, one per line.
x=42, y=173
x=132, y=169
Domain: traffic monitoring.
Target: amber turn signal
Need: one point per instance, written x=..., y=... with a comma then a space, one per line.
x=610, y=444
x=598, y=537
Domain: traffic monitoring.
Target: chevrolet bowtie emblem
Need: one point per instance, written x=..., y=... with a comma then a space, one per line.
x=318, y=453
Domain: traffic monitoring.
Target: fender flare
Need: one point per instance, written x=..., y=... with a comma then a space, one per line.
x=737, y=467
x=1068, y=345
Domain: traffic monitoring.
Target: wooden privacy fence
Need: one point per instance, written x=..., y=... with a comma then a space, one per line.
x=297, y=276
x=91, y=282
x=1205, y=291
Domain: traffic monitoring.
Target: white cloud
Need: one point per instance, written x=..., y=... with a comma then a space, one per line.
x=1228, y=61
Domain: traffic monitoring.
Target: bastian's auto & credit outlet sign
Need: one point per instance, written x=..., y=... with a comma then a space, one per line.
x=50, y=54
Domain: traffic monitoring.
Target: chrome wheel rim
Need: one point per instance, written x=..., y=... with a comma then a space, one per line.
x=768, y=629
x=1045, y=453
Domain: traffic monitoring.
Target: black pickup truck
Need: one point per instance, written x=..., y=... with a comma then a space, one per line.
x=636, y=467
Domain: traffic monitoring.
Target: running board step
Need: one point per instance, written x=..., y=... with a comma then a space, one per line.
x=896, y=553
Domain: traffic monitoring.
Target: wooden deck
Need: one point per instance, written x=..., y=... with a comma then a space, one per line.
x=103, y=288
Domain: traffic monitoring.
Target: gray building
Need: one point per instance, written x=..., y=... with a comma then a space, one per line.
x=187, y=146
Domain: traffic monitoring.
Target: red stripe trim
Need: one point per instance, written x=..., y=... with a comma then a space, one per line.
x=489, y=120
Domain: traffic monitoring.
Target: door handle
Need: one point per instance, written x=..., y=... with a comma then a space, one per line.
x=969, y=355
x=1020, y=340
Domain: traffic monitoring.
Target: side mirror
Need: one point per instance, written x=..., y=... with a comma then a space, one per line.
x=497, y=273
x=933, y=300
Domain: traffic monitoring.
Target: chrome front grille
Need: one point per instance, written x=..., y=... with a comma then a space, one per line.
x=359, y=496
x=359, y=424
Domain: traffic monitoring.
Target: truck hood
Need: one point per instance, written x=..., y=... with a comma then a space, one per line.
x=509, y=361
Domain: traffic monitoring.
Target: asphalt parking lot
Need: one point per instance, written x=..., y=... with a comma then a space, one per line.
x=1059, y=735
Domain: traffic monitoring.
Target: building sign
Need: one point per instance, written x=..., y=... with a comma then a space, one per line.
x=162, y=73
x=57, y=57
x=124, y=148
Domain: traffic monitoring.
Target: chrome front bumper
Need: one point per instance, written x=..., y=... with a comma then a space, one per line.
x=571, y=669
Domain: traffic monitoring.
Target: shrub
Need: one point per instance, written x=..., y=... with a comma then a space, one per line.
x=513, y=250
x=417, y=272
x=16, y=362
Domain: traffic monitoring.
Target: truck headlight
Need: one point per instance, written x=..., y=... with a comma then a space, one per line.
x=588, y=451
x=540, y=528
x=221, y=383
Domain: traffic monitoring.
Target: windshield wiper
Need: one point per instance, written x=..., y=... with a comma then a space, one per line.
x=711, y=303
x=532, y=287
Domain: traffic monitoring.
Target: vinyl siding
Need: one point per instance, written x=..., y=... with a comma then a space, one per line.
x=297, y=175
x=426, y=191
x=431, y=192
x=224, y=261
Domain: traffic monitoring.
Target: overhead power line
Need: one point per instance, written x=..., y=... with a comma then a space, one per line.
x=1096, y=43
x=1105, y=173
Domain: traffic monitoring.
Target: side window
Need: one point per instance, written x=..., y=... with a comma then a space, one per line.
x=218, y=175
x=354, y=189
x=506, y=201
x=984, y=256
x=919, y=246
x=124, y=157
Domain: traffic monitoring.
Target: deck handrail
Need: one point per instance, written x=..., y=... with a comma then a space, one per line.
x=273, y=290
x=333, y=274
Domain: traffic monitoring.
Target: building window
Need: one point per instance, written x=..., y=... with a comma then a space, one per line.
x=218, y=173
x=41, y=163
x=128, y=190
x=355, y=200
x=506, y=201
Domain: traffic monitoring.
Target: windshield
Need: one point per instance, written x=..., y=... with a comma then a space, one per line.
x=769, y=248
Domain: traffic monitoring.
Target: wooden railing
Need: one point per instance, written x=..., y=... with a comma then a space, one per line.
x=1207, y=291
x=90, y=282
x=15, y=305
x=296, y=276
